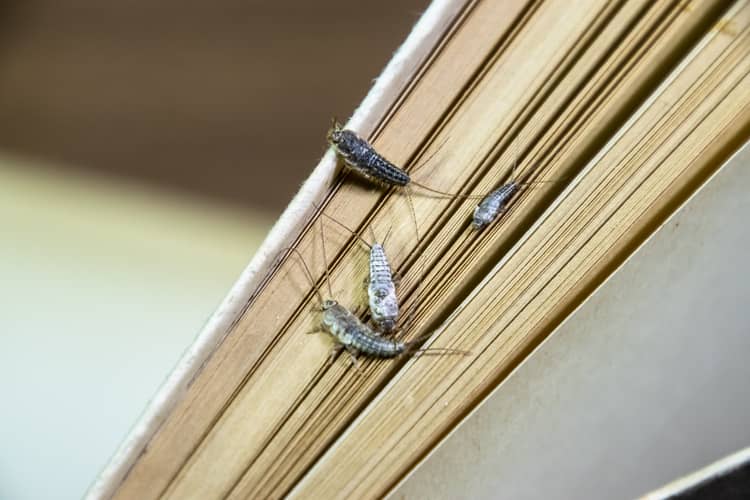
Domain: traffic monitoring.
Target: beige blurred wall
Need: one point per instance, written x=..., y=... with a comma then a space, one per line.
x=104, y=285
x=646, y=382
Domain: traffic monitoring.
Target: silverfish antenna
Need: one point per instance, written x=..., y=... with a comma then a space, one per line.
x=307, y=271
x=325, y=260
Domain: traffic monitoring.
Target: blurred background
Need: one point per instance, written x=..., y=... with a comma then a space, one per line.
x=145, y=150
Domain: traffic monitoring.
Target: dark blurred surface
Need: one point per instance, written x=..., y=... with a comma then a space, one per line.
x=733, y=484
x=225, y=99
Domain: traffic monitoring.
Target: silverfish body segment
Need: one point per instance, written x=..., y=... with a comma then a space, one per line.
x=382, y=291
x=492, y=204
x=351, y=333
x=362, y=157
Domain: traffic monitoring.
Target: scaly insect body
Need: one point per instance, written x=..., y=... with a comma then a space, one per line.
x=382, y=291
x=493, y=204
x=359, y=155
x=355, y=336
x=362, y=157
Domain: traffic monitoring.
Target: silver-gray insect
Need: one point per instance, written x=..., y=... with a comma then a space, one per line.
x=382, y=290
x=494, y=204
x=361, y=156
x=381, y=287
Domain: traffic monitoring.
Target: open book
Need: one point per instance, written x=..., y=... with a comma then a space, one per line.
x=626, y=108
